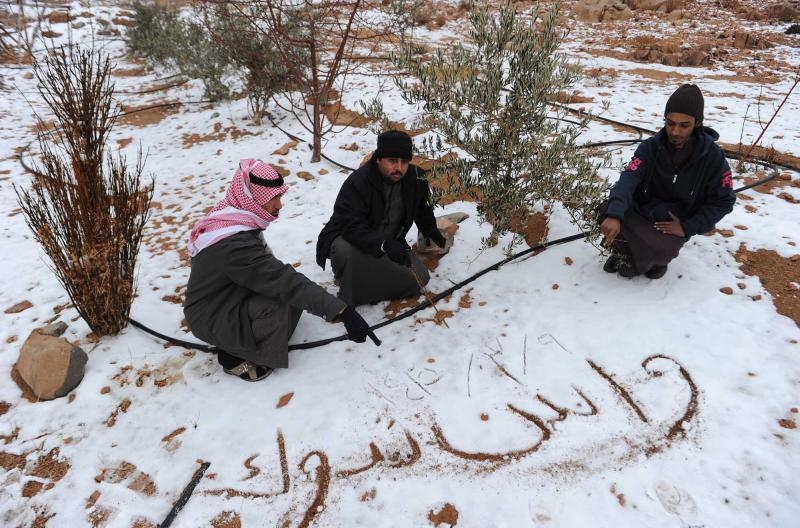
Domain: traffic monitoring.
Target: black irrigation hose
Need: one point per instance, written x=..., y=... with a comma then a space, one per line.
x=448, y=291
x=185, y=495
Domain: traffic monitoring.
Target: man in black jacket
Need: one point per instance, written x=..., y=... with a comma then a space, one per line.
x=365, y=237
x=678, y=184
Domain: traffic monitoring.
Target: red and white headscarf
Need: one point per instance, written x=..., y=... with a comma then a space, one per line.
x=254, y=184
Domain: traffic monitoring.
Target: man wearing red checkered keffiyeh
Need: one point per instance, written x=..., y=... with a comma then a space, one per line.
x=240, y=297
x=254, y=185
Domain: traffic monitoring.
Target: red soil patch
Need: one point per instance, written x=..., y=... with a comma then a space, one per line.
x=32, y=488
x=9, y=461
x=777, y=275
x=136, y=71
x=465, y=301
x=219, y=134
x=41, y=520
x=121, y=408
x=140, y=116
x=447, y=515
x=400, y=305
x=139, y=481
x=51, y=466
x=339, y=115
x=173, y=434
x=369, y=495
x=227, y=519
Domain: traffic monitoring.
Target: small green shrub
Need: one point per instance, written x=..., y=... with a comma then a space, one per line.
x=488, y=101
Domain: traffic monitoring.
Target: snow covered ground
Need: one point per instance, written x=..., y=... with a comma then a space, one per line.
x=558, y=395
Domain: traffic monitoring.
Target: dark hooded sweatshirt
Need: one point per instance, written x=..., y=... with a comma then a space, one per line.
x=699, y=193
x=360, y=209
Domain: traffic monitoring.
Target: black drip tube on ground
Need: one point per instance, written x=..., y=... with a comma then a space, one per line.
x=429, y=302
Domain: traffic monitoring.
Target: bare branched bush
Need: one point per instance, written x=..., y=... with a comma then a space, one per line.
x=488, y=103
x=88, y=220
x=313, y=41
x=20, y=27
x=252, y=54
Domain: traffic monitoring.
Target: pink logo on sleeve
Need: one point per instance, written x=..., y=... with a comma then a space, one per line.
x=727, y=180
x=633, y=164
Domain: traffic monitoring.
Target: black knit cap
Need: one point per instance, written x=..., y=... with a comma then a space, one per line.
x=394, y=144
x=686, y=100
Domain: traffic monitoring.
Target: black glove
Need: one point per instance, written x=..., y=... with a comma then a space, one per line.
x=437, y=238
x=357, y=327
x=397, y=252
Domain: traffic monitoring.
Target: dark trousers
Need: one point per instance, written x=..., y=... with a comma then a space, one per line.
x=364, y=279
x=644, y=245
x=273, y=323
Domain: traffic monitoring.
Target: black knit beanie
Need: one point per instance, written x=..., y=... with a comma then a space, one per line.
x=686, y=100
x=394, y=144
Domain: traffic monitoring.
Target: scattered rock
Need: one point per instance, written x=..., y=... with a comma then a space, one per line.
x=727, y=290
x=784, y=11
x=568, y=261
x=51, y=366
x=19, y=307
x=58, y=17
x=648, y=5
x=602, y=11
x=794, y=29
x=284, y=400
x=303, y=175
x=744, y=40
x=284, y=150
x=56, y=329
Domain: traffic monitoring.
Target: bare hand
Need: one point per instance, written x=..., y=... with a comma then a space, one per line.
x=671, y=227
x=610, y=228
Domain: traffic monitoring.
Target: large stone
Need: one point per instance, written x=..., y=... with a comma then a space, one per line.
x=785, y=11
x=647, y=5
x=602, y=11
x=51, y=366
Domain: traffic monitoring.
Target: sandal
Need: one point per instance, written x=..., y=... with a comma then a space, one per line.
x=248, y=371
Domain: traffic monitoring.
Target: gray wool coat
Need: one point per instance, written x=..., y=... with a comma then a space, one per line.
x=224, y=279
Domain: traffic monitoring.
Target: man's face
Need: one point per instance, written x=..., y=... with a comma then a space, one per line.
x=393, y=169
x=273, y=206
x=679, y=128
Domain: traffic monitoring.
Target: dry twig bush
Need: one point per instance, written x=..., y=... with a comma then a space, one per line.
x=88, y=220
